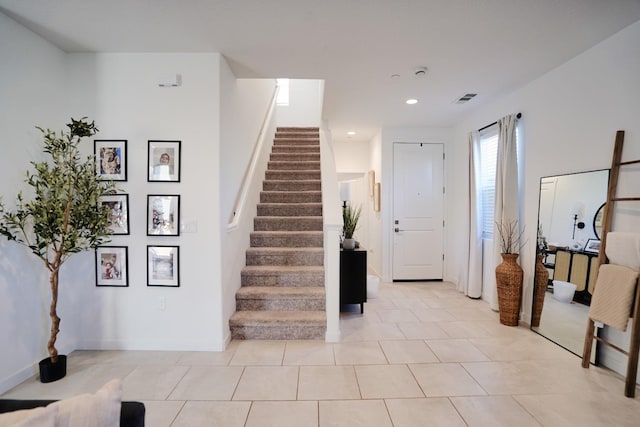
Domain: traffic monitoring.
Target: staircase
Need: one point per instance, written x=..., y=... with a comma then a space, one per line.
x=282, y=296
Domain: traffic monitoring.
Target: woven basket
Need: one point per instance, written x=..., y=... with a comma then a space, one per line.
x=540, y=282
x=509, y=284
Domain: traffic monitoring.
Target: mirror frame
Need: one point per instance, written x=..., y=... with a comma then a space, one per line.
x=600, y=211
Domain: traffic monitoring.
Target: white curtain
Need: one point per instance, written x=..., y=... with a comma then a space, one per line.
x=506, y=195
x=471, y=280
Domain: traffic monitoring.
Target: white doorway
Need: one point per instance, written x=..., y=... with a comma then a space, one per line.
x=418, y=205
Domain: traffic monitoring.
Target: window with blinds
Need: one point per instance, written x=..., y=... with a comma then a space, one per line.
x=488, y=161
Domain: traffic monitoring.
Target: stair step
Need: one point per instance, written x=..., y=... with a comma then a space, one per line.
x=295, y=140
x=295, y=157
x=293, y=239
x=268, y=275
x=272, y=298
x=290, y=197
x=290, y=209
x=292, y=175
x=284, y=256
x=297, y=129
x=287, y=223
x=295, y=148
x=278, y=325
x=289, y=166
x=286, y=185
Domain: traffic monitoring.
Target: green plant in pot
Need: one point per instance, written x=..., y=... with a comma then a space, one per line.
x=62, y=217
x=350, y=217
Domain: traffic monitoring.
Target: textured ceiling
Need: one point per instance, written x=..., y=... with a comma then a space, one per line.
x=489, y=47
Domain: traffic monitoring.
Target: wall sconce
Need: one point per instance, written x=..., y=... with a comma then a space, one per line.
x=577, y=213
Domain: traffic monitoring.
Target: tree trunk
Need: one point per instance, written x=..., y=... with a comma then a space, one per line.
x=55, y=320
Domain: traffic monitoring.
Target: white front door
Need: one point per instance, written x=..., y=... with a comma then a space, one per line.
x=418, y=201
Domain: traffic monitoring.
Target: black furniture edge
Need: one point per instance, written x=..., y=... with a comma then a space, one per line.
x=132, y=414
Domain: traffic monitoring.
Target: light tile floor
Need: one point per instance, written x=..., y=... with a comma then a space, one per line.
x=421, y=355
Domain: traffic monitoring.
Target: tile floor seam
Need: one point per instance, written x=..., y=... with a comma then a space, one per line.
x=178, y=382
x=235, y=389
x=452, y=403
x=175, y=417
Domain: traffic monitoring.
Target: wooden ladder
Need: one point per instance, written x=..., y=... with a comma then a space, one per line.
x=607, y=220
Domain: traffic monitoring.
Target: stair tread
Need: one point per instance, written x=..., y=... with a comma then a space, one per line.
x=278, y=317
x=287, y=233
x=288, y=268
x=303, y=217
x=274, y=292
x=287, y=181
x=269, y=249
x=287, y=204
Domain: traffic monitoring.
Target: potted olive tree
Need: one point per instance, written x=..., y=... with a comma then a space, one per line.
x=61, y=218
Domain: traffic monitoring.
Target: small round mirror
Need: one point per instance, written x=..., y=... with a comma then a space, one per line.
x=597, y=221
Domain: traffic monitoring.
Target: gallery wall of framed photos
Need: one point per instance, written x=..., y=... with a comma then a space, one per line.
x=162, y=214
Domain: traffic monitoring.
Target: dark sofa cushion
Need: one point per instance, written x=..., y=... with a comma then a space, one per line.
x=132, y=414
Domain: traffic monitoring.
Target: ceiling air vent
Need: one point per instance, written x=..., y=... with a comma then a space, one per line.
x=465, y=98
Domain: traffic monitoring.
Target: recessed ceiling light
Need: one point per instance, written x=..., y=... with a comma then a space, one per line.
x=411, y=101
x=351, y=133
x=393, y=76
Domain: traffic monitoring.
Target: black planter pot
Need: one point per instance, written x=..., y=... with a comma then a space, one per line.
x=50, y=372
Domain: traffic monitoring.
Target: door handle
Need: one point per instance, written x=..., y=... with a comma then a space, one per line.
x=397, y=230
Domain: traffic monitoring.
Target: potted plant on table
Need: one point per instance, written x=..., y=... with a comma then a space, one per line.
x=350, y=217
x=509, y=274
x=62, y=218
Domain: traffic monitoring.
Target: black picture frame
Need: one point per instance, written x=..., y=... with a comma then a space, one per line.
x=112, y=266
x=163, y=215
x=111, y=159
x=592, y=246
x=117, y=208
x=163, y=266
x=163, y=161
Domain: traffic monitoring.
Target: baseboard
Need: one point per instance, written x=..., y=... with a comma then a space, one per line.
x=19, y=377
x=333, y=336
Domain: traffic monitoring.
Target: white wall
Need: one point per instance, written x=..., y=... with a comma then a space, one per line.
x=244, y=107
x=305, y=104
x=570, y=117
x=33, y=93
x=352, y=166
x=374, y=255
x=120, y=91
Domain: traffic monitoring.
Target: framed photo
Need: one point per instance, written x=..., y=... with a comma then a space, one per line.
x=372, y=182
x=376, y=198
x=163, y=215
x=164, y=161
x=117, y=208
x=593, y=246
x=111, y=159
x=163, y=266
x=111, y=266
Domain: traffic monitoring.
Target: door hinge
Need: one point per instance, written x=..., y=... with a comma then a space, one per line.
x=443, y=257
x=443, y=223
x=442, y=156
x=443, y=190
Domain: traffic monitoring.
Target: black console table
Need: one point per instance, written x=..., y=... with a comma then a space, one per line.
x=353, y=277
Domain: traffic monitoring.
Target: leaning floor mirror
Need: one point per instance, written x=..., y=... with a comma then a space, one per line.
x=569, y=218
